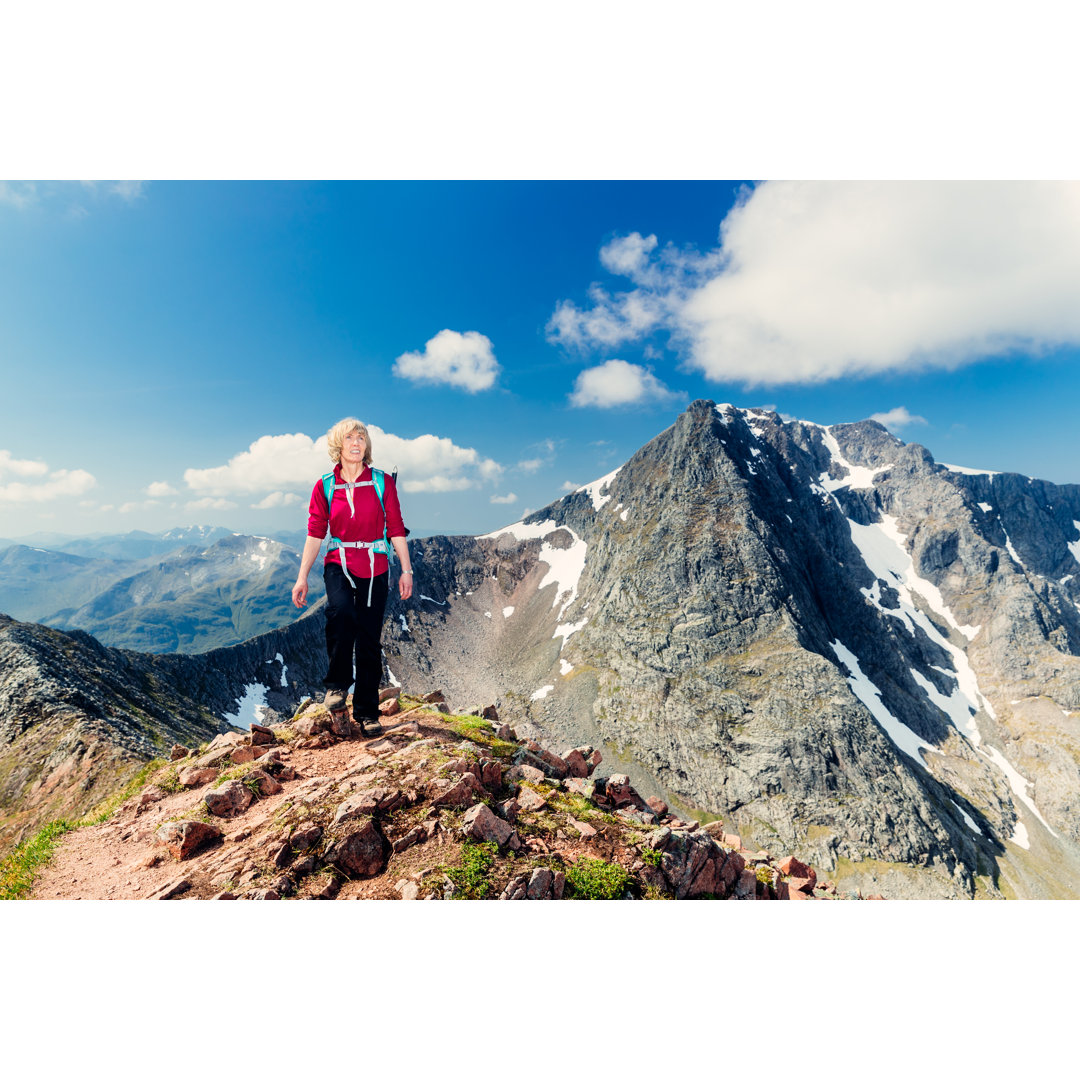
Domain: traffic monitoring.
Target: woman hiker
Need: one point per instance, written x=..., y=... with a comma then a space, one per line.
x=360, y=506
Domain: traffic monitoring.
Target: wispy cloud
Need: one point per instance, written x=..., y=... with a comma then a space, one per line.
x=466, y=361
x=814, y=281
x=208, y=503
x=160, y=488
x=504, y=500
x=72, y=198
x=616, y=383
x=897, y=419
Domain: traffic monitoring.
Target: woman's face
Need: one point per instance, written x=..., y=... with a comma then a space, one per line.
x=352, y=448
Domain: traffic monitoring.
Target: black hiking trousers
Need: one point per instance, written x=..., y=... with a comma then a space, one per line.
x=355, y=630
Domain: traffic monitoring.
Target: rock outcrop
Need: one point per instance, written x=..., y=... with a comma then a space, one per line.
x=355, y=818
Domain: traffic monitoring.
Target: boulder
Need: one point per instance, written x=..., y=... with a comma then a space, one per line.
x=481, y=824
x=388, y=692
x=368, y=802
x=530, y=799
x=390, y=707
x=264, y=782
x=178, y=752
x=313, y=725
x=693, y=864
x=307, y=836
x=539, y=886
x=230, y=800
x=262, y=736
x=525, y=772
x=193, y=777
x=447, y=793
x=803, y=877
x=657, y=806
x=575, y=764
x=242, y=754
x=618, y=790
x=361, y=852
x=184, y=838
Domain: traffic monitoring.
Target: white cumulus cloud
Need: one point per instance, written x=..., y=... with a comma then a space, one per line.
x=21, y=467
x=618, y=383
x=159, y=488
x=505, y=500
x=292, y=463
x=463, y=360
x=897, y=419
x=818, y=280
x=40, y=484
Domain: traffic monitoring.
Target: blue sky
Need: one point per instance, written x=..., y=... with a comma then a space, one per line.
x=160, y=341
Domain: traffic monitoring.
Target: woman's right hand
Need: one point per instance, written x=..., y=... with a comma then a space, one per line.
x=299, y=592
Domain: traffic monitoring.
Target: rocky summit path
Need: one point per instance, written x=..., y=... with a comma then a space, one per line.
x=437, y=807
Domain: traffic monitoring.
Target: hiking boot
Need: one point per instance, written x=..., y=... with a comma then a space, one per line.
x=369, y=727
x=335, y=700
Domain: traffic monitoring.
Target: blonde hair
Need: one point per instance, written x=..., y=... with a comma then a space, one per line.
x=335, y=437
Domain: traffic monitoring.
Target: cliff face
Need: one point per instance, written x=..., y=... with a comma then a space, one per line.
x=855, y=652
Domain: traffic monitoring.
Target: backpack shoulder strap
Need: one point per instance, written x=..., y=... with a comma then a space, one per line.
x=378, y=480
x=328, y=489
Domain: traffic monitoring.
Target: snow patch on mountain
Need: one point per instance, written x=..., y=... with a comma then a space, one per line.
x=596, y=487
x=1074, y=547
x=904, y=738
x=252, y=707
x=882, y=547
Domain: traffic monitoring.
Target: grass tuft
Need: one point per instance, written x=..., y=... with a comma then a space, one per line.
x=594, y=879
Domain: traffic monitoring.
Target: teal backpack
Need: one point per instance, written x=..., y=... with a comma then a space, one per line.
x=376, y=547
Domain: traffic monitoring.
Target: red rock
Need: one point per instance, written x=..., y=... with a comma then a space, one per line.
x=170, y=890
x=184, y=838
x=746, y=886
x=388, y=692
x=312, y=725
x=262, y=736
x=732, y=840
x=657, y=806
x=802, y=884
x=575, y=764
x=481, y=824
x=224, y=896
x=529, y=800
x=463, y=793
x=264, y=783
x=490, y=774
x=228, y=801
x=151, y=795
x=436, y=697
x=539, y=886
x=583, y=827
x=509, y=809
x=619, y=791
x=242, y=754
x=390, y=707
x=593, y=760
x=306, y=837
x=178, y=752
x=525, y=772
x=360, y=853
x=558, y=884
x=490, y=713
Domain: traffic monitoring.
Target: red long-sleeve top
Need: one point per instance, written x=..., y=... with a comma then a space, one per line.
x=365, y=524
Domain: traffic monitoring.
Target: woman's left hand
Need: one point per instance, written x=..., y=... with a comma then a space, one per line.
x=405, y=583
